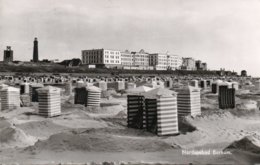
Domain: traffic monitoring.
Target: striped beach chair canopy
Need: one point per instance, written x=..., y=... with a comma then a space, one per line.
x=139, y=90
x=159, y=92
x=49, y=89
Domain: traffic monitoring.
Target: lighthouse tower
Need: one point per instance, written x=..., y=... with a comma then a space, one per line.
x=35, y=51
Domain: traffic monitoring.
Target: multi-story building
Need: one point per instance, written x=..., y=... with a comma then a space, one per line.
x=101, y=58
x=141, y=59
x=158, y=61
x=204, y=66
x=164, y=61
x=127, y=58
x=8, y=54
x=188, y=64
x=135, y=60
x=179, y=62
x=200, y=65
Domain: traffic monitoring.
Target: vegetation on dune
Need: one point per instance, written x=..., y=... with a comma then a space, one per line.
x=56, y=68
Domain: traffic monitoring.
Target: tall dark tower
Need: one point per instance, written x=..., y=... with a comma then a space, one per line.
x=8, y=55
x=35, y=50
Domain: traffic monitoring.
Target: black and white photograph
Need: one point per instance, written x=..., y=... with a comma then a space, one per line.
x=129, y=82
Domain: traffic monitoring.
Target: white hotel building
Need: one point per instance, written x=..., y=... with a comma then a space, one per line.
x=164, y=61
x=101, y=57
x=131, y=60
x=136, y=60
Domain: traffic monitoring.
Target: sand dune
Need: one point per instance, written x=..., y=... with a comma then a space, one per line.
x=41, y=129
x=14, y=137
x=216, y=127
x=249, y=144
x=98, y=142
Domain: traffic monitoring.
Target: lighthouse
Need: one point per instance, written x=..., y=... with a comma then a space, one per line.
x=35, y=51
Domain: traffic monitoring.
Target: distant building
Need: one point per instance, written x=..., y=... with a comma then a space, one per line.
x=204, y=66
x=135, y=60
x=141, y=59
x=102, y=57
x=8, y=55
x=35, y=51
x=164, y=61
x=188, y=64
x=127, y=58
x=145, y=61
x=243, y=73
x=179, y=62
x=200, y=65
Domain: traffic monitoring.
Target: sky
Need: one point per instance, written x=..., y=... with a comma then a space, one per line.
x=223, y=33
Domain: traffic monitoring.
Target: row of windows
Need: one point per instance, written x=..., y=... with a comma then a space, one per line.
x=112, y=61
x=112, y=52
x=93, y=61
x=94, y=58
x=144, y=59
x=126, y=55
x=112, y=56
x=140, y=60
x=92, y=55
x=96, y=52
x=162, y=60
x=92, y=52
x=137, y=55
x=126, y=59
x=89, y=59
x=99, y=52
x=161, y=66
x=126, y=63
x=141, y=63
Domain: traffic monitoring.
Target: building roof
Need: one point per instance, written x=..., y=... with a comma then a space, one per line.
x=48, y=89
x=126, y=51
x=93, y=89
x=3, y=86
x=9, y=88
x=187, y=89
x=37, y=85
x=101, y=49
x=139, y=90
x=159, y=92
x=217, y=81
x=24, y=83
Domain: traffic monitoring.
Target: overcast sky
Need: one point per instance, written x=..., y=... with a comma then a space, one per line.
x=223, y=33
